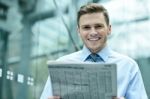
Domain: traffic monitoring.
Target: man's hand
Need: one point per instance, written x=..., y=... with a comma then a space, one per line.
x=54, y=97
x=118, y=98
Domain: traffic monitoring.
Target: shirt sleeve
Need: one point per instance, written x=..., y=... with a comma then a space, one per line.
x=136, y=89
x=47, y=92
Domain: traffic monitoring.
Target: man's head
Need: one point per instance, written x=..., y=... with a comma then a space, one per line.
x=93, y=26
x=92, y=8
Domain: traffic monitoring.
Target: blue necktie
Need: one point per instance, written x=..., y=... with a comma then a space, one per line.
x=94, y=58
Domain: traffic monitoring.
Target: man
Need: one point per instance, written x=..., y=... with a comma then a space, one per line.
x=94, y=28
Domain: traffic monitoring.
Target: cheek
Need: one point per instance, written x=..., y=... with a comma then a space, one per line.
x=83, y=34
x=105, y=33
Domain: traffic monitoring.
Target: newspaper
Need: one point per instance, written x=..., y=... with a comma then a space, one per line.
x=83, y=81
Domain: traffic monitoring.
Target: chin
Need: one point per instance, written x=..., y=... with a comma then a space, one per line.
x=94, y=49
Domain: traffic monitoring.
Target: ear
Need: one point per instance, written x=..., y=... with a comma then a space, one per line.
x=109, y=29
x=78, y=30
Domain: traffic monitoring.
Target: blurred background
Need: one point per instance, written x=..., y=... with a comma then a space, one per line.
x=35, y=31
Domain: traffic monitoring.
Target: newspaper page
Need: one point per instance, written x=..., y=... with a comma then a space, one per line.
x=83, y=81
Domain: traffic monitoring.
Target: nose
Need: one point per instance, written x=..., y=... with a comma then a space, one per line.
x=93, y=31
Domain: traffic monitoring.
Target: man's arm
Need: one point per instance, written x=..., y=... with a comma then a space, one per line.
x=47, y=90
x=136, y=87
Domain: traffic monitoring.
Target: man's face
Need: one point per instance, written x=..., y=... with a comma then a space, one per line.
x=94, y=31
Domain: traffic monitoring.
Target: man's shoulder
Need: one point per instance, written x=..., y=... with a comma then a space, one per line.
x=75, y=56
x=123, y=57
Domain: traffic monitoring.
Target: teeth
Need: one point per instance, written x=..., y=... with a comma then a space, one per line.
x=94, y=39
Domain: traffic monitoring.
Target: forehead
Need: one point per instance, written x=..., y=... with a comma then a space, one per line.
x=92, y=18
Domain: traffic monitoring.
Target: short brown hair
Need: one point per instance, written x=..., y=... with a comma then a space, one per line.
x=92, y=8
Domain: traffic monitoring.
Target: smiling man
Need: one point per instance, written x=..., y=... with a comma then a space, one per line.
x=94, y=28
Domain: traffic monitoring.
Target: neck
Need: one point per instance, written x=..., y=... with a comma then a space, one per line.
x=96, y=51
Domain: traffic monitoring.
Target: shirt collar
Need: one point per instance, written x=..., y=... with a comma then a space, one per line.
x=104, y=53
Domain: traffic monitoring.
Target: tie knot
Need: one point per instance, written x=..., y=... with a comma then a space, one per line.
x=94, y=58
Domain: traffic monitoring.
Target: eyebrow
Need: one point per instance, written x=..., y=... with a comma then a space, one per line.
x=90, y=25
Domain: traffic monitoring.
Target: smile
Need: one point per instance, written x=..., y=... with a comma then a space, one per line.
x=94, y=39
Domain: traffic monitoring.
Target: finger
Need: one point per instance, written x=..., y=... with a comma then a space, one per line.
x=114, y=97
x=54, y=97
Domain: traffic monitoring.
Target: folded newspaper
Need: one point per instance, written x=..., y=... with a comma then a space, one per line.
x=83, y=80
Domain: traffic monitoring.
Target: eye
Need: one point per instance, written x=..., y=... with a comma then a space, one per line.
x=86, y=27
x=98, y=26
